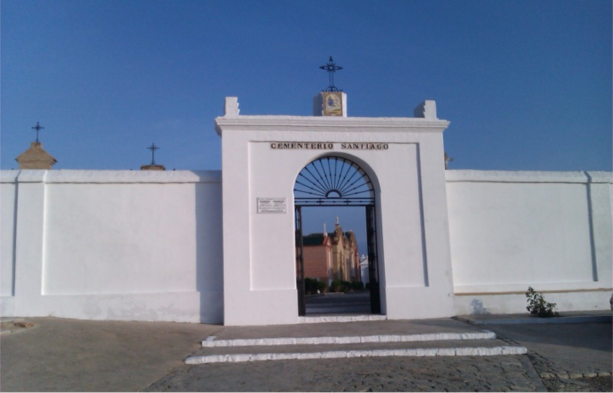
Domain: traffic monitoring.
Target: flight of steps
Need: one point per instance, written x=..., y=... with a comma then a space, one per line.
x=467, y=343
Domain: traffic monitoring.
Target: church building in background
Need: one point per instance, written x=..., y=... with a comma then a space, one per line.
x=332, y=256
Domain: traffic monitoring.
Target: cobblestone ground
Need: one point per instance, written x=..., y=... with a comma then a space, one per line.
x=496, y=373
x=556, y=379
x=593, y=384
x=561, y=358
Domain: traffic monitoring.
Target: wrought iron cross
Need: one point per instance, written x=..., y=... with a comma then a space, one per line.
x=153, y=148
x=331, y=68
x=37, y=127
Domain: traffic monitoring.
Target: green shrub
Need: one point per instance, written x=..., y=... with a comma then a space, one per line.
x=538, y=306
x=357, y=286
x=336, y=286
x=322, y=286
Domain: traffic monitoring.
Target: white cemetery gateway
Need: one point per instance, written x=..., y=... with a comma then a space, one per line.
x=402, y=157
x=205, y=246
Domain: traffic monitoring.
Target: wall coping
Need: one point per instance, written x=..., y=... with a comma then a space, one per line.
x=9, y=176
x=126, y=176
x=477, y=176
x=108, y=176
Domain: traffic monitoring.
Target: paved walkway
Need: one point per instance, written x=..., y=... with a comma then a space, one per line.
x=338, y=303
x=527, y=319
x=70, y=355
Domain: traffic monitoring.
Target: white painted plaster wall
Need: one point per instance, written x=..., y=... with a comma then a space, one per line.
x=548, y=230
x=123, y=245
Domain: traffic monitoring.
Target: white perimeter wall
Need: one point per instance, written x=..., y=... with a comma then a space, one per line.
x=132, y=245
x=121, y=245
x=548, y=230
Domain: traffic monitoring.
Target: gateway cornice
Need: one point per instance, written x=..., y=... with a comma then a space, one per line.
x=326, y=124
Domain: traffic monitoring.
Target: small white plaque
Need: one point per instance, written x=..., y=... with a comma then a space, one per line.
x=272, y=205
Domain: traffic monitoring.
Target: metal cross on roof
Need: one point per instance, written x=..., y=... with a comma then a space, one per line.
x=331, y=68
x=37, y=127
x=153, y=148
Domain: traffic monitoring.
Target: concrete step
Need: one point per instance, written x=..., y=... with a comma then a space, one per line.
x=323, y=318
x=490, y=343
x=381, y=338
x=462, y=347
x=341, y=328
x=336, y=340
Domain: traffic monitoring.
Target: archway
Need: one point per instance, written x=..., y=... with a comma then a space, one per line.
x=336, y=181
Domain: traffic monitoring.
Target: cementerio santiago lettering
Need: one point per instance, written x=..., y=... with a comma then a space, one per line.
x=364, y=146
x=327, y=146
x=302, y=146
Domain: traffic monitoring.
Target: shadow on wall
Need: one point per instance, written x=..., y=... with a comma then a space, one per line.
x=209, y=251
x=478, y=308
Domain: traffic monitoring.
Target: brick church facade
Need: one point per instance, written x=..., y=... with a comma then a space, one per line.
x=332, y=256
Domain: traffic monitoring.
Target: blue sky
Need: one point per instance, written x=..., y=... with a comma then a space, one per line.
x=525, y=84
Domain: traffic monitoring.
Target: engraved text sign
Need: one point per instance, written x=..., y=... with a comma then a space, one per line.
x=272, y=205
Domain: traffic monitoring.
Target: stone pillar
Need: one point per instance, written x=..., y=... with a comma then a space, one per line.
x=29, y=242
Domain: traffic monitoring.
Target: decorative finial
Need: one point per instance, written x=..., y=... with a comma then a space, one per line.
x=337, y=221
x=325, y=232
x=231, y=107
x=37, y=127
x=153, y=148
x=331, y=68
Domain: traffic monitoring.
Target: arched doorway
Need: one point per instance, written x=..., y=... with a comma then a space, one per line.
x=336, y=181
